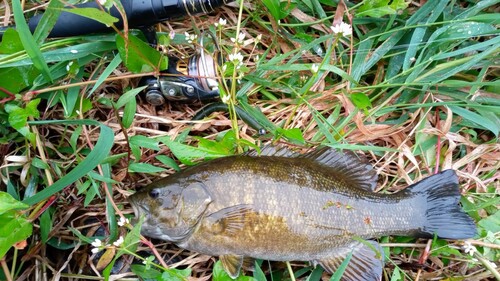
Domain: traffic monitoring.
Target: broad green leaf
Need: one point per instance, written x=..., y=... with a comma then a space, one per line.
x=29, y=43
x=294, y=134
x=189, y=154
x=143, y=141
x=167, y=161
x=95, y=14
x=144, y=168
x=360, y=100
x=8, y=203
x=13, y=228
x=11, y=43
x=491, y=223
x=138, y=56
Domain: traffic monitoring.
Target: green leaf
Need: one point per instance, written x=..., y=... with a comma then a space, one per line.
x=45, y=225
x=129, y=113
x=138, y=56
x=481, y=121
x=218, y=274
x=13, y=228
x=294, y=134
x=11, y=43
x=48, y=20
x=99, y=153
x=128, y=96
x=144, y=168
x=8, y=203
x=340, y=270
x=491, y=223
x=29, y=43
x=188, y=154
x=167, y=161
x=143, y=141
x=95, y=14
x=360, y=100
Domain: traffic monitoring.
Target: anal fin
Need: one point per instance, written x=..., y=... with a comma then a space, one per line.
x=232, y=264
x=366, y=262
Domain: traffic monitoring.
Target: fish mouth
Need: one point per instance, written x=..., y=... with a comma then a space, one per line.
x=139, y=210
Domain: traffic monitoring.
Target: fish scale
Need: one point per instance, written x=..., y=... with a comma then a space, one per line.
x=284, y=206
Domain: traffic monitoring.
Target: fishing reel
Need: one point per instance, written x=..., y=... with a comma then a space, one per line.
x=191, y=79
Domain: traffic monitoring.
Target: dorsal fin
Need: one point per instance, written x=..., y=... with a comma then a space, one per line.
x=270, y=150
x=347, y=164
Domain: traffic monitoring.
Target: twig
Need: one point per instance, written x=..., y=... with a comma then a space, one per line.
x=6, y=270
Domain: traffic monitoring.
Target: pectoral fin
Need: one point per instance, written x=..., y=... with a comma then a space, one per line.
x=229, y=220
x=232, y=264
x=365, y=264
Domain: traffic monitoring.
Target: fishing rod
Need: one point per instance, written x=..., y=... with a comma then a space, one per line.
x=140, y=13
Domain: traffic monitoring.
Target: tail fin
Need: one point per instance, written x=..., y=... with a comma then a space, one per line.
x=444, y=215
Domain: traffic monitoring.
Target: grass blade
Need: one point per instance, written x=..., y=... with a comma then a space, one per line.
x=29, y=42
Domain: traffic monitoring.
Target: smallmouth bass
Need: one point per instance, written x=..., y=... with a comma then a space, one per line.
x=284, y=206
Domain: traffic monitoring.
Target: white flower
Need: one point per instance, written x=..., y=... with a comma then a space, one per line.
x=190, y=37
x=314, y=68
x=225, y=99
x=123, y=221
x=240, y=38
x=342, y=29
x=258, y=38
x=74, y=51
x=97, y=243
x=236, y=58
x=221, y=23
x=469, y=248
x=171, y=35
x=102, y=2
x=97, y=246
x=68, y=66
x=118, y=242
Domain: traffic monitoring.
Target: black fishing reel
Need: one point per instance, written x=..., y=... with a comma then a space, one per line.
x=192, y=79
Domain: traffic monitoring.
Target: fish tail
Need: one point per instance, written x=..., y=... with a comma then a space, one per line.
x=443, y=216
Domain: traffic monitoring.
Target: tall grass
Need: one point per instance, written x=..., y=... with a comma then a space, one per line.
x=414, y=88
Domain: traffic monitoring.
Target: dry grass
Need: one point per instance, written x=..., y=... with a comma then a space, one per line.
x=395, y=134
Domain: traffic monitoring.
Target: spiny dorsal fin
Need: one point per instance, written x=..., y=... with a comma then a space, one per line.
x=346, y=164
x=366, y=262
x=270, y=150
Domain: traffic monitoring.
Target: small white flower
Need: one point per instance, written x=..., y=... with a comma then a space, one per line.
x=258, y=38
x=236, y=58
x=102, y=2
x=190, y=37
x=123, y=221
x=97, y=243
x=469, y=248
x=225, y=99
x=68, y=66
x=314, y=68
x=413, y=59
x=342, y=29
x=118, y=242
x=74, y=51
x=240, y=38
x=171, y=34
x=256, y=58
x=221, y=22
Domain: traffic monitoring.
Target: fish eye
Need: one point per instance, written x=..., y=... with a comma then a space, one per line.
x=154, y=193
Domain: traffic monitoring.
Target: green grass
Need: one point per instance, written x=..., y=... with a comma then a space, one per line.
x=415, y=89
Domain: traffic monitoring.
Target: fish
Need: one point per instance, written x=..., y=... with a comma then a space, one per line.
x=279, y=205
